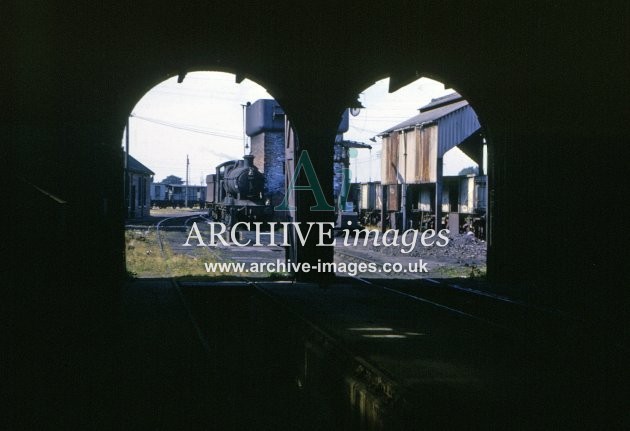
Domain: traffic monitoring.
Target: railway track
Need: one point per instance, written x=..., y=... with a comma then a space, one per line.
x=218, y=308
x=449, y=295
x=453, y=296
x=159, y=227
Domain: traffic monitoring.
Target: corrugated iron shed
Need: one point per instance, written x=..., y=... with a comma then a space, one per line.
x=425, y=117
x=441, y=101
x=455, y=118
x=455, y=127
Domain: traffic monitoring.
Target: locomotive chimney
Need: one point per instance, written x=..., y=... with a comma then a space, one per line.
x=248, y=161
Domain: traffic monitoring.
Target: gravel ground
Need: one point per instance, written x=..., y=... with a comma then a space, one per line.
x=462, y=250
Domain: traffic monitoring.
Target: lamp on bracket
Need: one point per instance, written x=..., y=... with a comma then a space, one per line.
x=355, y=107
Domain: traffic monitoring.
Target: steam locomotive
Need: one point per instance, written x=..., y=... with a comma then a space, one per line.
x=236, y=193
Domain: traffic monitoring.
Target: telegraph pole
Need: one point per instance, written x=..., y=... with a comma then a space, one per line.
x=186, y=188
x=127, y=173
x=245, y=146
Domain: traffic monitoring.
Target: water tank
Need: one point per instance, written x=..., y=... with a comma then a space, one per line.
x=266, y=115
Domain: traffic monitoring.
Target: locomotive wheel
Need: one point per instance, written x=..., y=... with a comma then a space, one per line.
x=228, y=218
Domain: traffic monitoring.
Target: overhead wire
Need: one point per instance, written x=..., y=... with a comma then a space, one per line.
x=187, y=128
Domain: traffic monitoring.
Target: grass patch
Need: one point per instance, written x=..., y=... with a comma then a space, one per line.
x=281, y=276
x=144, y=258
x=142, y=253
x=156, y=212
x=472, y=272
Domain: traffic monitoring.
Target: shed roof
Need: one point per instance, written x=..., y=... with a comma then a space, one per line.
x=433, y=111
x=456, y=121
x=136, y=167
x=441, y=101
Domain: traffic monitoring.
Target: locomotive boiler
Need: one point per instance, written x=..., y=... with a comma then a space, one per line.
x=236, y=193
x=242, y=180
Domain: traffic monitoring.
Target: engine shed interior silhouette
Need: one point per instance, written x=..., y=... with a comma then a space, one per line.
x=549, y=82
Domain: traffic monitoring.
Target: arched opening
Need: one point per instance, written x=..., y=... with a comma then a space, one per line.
x=401, y=188
x=420, y=191
x=550, y=81
x=199, y=154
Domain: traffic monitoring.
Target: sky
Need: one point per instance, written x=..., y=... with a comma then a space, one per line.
x=202, y=118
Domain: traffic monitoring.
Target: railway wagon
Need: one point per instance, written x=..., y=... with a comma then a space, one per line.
x=463, y=206
x=369, y=202
x=174, y=196
x=178, y=192
x=159, y=195
x=464, y=201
